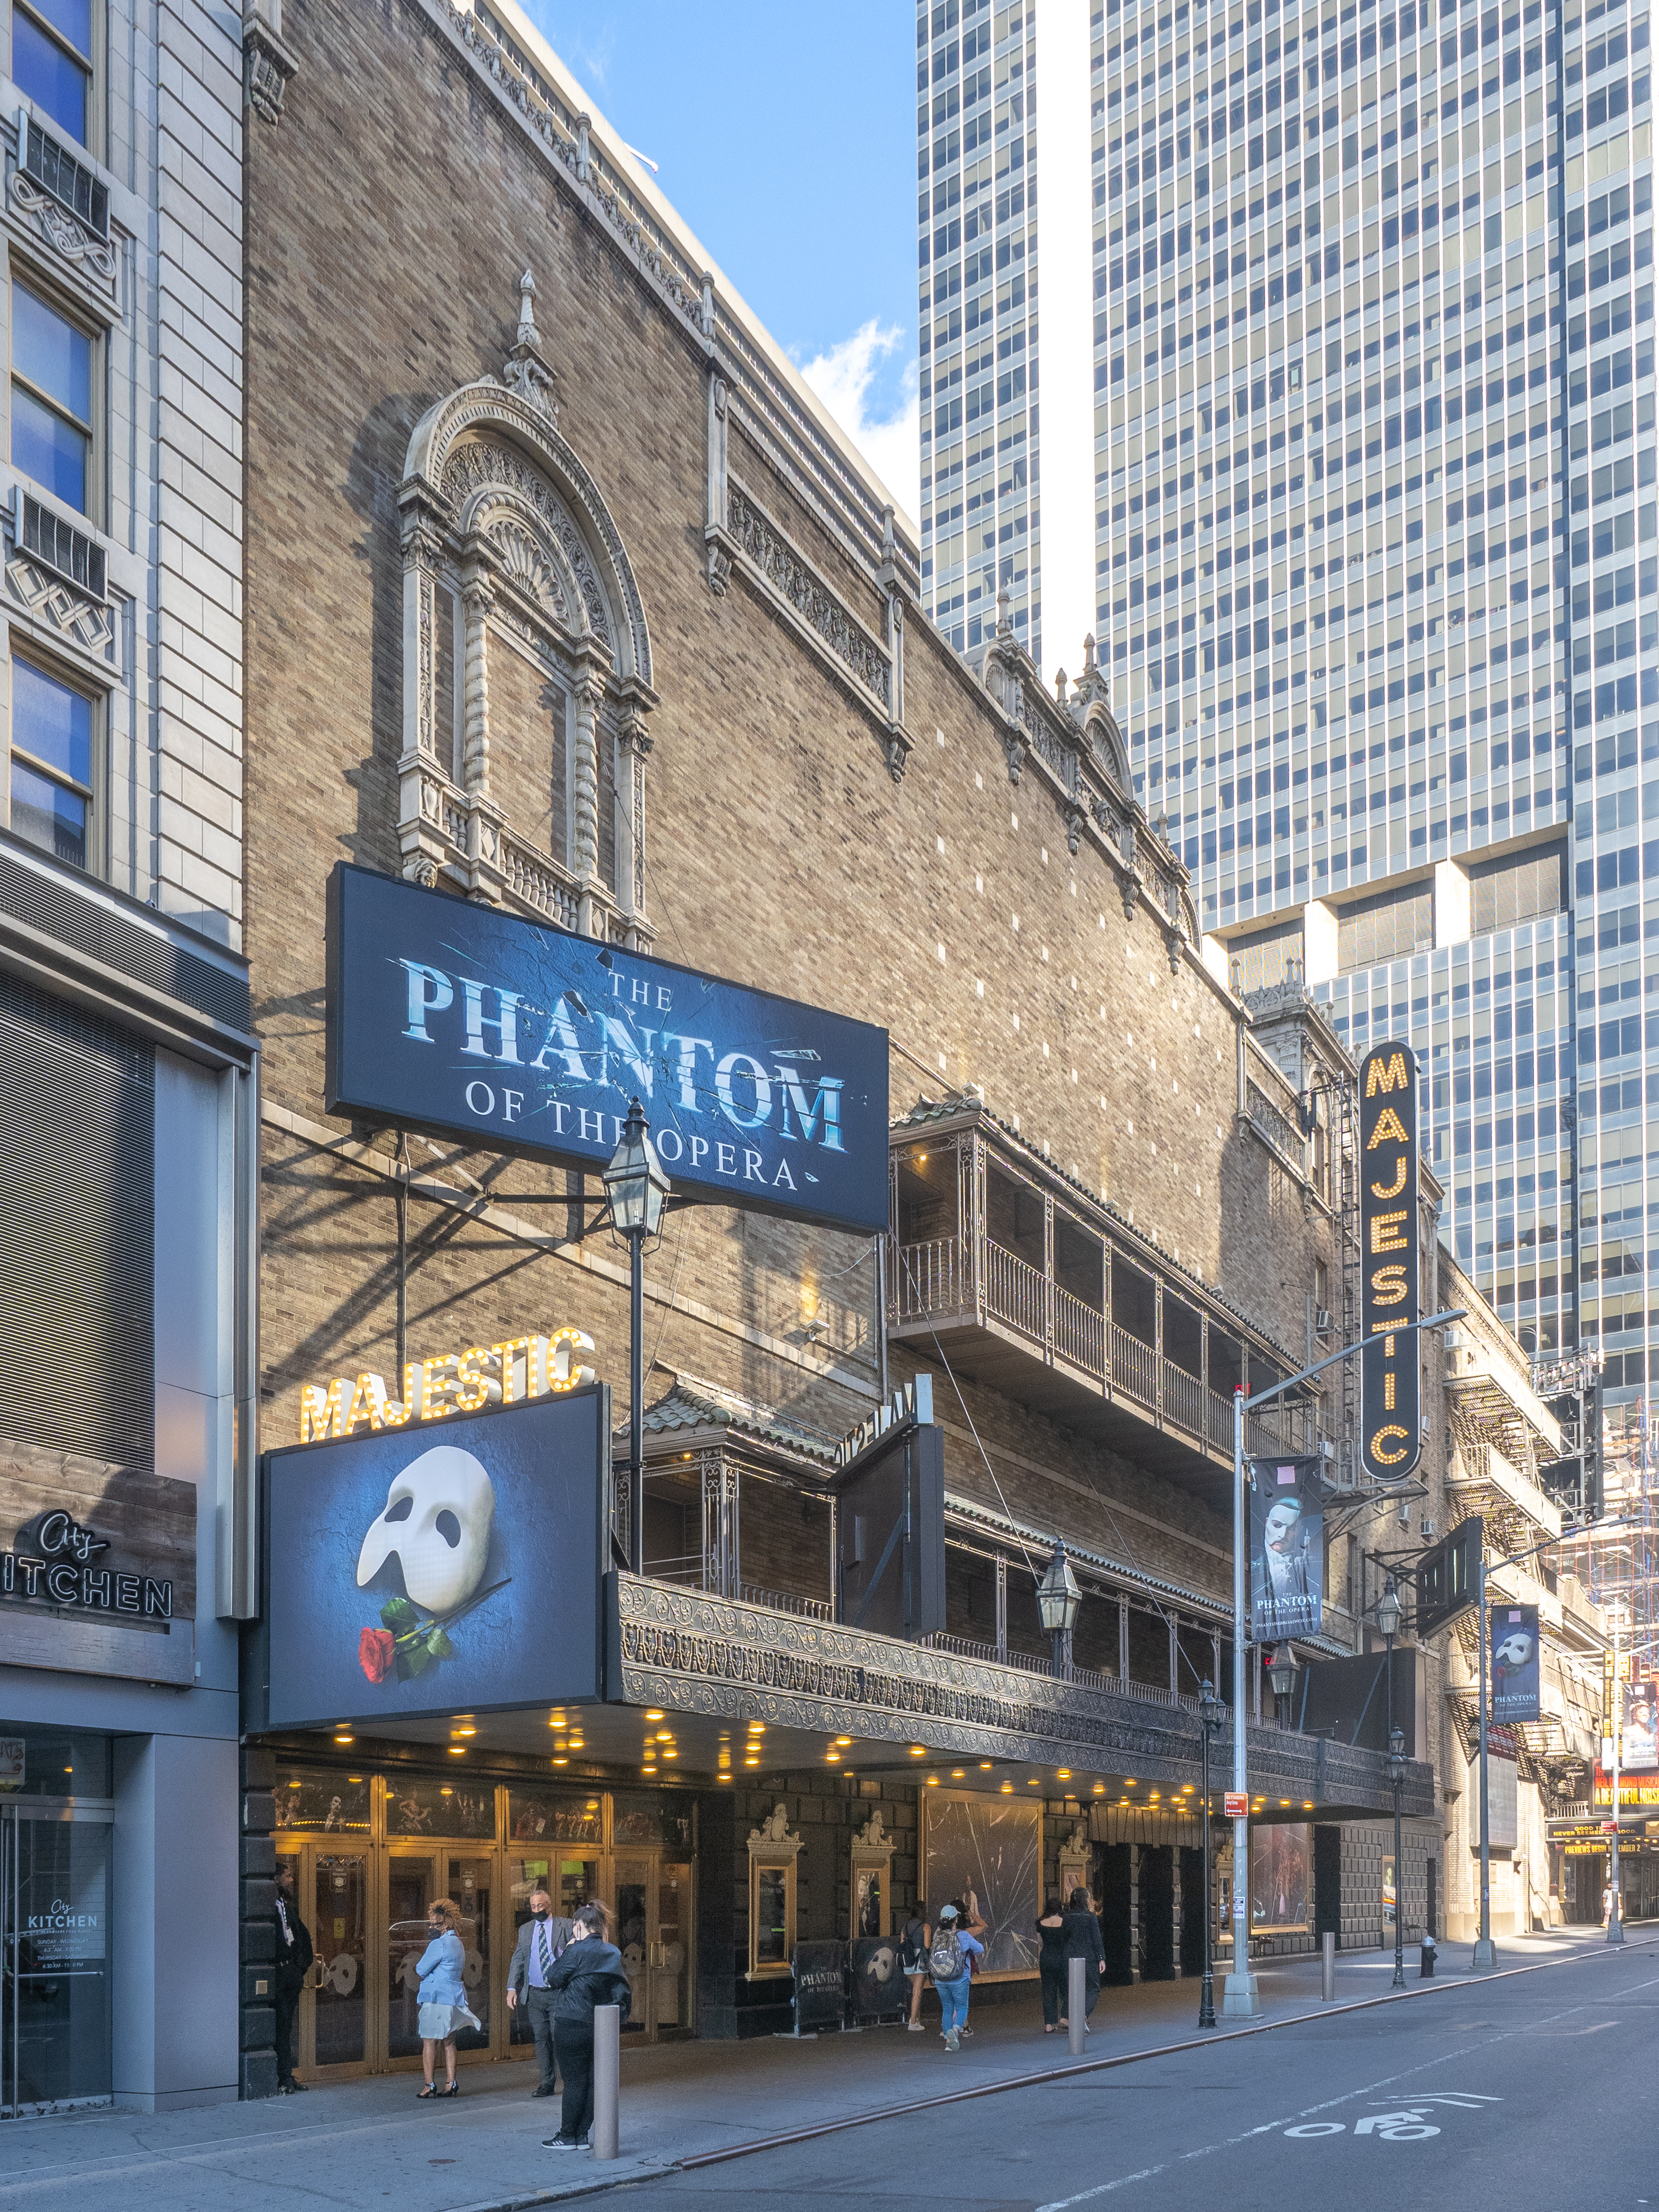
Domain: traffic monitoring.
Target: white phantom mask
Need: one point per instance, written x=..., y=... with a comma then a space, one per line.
x=437, y=1520
x=1514, y=1652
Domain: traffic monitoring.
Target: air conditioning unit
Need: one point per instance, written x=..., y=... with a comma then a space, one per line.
x=1322, y=1321
x=1427, y=1529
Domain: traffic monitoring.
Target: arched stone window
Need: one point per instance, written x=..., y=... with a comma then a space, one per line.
x=526, y=662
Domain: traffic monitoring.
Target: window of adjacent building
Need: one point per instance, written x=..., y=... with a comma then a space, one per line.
x=52, y=59
x=50, y=399
x=52, y=751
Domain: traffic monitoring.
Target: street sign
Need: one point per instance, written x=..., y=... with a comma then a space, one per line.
x=1237, y=1807
x=1390, y=1422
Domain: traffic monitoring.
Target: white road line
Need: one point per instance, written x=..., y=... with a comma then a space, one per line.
x=1273, y=2127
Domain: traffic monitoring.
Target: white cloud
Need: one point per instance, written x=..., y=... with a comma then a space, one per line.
x=842, y=379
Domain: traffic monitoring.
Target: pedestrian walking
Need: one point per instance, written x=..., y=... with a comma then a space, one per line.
x=913, y=1956
x=542, y=1941
x=590, y=1974
x=444, y=2008
x=1081, y=1935
x=950, y=1962
x=1051, y=1963
x=294, y=1957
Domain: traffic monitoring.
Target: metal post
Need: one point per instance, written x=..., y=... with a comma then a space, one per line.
x=1207, y=1991
x=883, y=1382
x=607, y=2074
x=1399, y=1982
x=1327, y=1961
x=1241, y=1993
x=1076, y=2006
x=636, y=1402
x=1615, y=1914
x=1485, y=1955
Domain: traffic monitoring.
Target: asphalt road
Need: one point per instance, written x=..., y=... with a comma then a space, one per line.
x=1500, y=2093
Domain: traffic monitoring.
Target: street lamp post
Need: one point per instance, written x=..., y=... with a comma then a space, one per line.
x=1059, y=1595
x=1210, y=1710
x=1396, y=1783
x=1615, y=1914
x=1241, y=1999
x=638, y=1190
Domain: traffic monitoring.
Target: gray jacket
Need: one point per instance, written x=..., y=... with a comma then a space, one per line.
x=518, y=1974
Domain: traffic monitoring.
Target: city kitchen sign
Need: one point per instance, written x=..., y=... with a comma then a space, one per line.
x=57, y=1560
x=515, y=1035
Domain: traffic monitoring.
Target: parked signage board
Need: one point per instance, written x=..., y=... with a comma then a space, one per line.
x=408, y=1575
x=514, y=1036
x=1390, y=1423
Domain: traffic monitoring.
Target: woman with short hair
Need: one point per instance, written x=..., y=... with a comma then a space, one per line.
x=589, y=1974
x=444, y=2007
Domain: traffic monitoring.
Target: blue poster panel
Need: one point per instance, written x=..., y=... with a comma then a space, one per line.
x=437, y=1570
x=1514, y=1662
x=517, y=1036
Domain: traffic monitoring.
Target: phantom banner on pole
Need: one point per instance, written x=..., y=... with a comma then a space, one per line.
x=1390, y=1423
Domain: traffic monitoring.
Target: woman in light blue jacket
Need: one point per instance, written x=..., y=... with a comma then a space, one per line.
x=444, y=2007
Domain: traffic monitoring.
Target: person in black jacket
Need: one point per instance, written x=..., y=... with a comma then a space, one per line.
x=294, y=1957
x=1082, y=1941
x=589, y=1974
x=1051, y=1963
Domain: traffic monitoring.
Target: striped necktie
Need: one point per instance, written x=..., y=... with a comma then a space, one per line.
x=545, y=1956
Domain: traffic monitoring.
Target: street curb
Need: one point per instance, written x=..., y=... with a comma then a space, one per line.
x=648, y=2169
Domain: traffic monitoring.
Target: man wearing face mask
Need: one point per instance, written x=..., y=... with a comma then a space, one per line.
x=541, y=1940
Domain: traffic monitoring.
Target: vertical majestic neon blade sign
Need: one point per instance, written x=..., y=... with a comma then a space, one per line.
x=1390, y=1425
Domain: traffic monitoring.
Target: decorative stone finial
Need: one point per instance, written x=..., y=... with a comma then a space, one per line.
x=528, y=334
x=1088, y=654
x=1060, y=686
x=526, y=370
x=1004, y=616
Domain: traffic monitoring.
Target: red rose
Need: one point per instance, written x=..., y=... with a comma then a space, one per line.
x=377, y=1653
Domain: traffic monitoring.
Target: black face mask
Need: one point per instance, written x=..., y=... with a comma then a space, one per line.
x=541, y=1912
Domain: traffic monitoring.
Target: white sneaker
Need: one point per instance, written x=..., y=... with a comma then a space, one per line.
x=953, y=2041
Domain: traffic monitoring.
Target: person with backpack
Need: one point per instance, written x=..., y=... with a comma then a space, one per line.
x=913, y=1957
x=950, y=1962
x=589, y=1974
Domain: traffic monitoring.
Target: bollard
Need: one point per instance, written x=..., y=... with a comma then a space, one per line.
x=607, y=2078
x=1076, y=2004
x=1327, y=1982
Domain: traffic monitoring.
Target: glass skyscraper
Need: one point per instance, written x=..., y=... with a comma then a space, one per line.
x=1377, y=560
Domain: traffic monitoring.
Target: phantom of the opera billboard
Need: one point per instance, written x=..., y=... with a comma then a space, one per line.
x=428, y=1570
x=518, y=1036
x=1514, y=1660
x=1287, y=1548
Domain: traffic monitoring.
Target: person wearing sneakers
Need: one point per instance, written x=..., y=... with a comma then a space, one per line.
x=913, y=1956
x=950, y=1962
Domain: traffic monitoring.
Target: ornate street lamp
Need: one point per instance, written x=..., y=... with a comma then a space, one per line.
x=1059, y=1595
x=1212, y=1716
x=638, y=1191
x=1388, y=1612
x=1282, y=1671
x=1396, y=1783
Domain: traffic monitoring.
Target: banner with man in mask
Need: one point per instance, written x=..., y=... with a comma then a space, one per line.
x=1287, y=1548
x=1514, y=1658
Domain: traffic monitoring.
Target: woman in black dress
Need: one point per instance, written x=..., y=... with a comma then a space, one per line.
x=1051, y=1963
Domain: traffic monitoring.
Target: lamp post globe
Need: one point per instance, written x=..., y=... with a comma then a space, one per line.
x=638, y=1191
x=1059, y=1595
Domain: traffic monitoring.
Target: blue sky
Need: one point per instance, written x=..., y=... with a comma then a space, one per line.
x=785, y=136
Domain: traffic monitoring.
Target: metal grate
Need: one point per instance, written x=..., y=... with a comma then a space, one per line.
x=78, y=1147
x=69, y=551
x=69, y=181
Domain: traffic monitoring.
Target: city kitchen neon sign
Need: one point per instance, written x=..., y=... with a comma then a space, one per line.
x=507, y=1374
x=52, y=1561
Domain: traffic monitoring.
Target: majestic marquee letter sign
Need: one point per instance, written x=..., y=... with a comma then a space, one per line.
x=517, y=1036
x=1390, y=1426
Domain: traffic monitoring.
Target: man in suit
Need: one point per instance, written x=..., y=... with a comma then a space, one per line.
x=540, y=1941
x=294, y=1956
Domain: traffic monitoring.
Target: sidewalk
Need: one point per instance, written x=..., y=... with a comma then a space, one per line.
x=366, y=2143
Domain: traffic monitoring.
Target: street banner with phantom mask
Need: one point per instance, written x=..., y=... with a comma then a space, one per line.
x=1514, y=1662
x=1287, y=1548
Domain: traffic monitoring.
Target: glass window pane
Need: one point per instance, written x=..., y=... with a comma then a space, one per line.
x=44, y=814
x=51, y=721
x=55, y=83
x=71, y=19
x=48, y=349
x=46, y=448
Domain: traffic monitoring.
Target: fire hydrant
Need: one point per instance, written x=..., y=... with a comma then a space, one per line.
x=1426, y=1972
